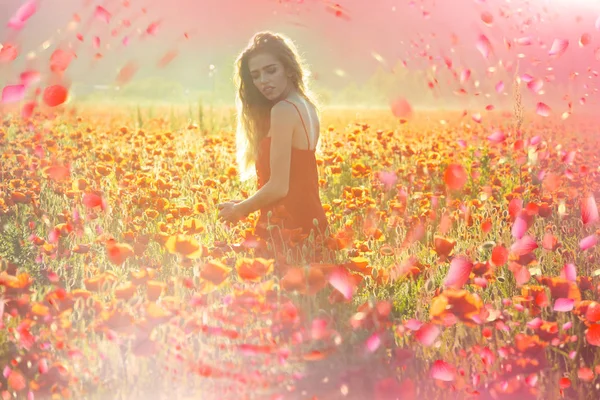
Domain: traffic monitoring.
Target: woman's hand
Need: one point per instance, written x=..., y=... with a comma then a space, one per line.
x=230, y=211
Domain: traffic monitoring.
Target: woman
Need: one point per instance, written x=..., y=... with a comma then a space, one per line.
x=277, y=132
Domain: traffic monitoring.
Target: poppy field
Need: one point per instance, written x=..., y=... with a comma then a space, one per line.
x=461, y=262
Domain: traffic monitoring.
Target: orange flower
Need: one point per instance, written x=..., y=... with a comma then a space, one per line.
x=57, y=172
x=40, y=310
x=215, y=272
x=561, y=288
x=20, y=197
x=156, y=315
x=443, y=246
x=253, y=269
x=154, y=289
x=81, y=248
x=303, y=281
x=151, y=213
x=459, y=303
x=185, y=245
x=125, y=291
x=118, y=253
x=118, y=320
x=192, y=226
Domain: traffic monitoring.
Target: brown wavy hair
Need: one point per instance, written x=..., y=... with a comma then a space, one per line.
x=253, y=108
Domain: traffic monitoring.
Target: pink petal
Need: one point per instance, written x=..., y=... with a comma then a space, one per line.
x=589, y=210
x=535, y=323
x=443, y=371
x=13, y=93
x=102, y=14
x=524, y=245
x=481, y=282
x=588, y=242
x=373, y=342
x=559, y=46
x=527, y=78
x=497, y=137
x=531, y=380
x=458, y=274
x=524, y=41
x=535, y=85
x=569, y=272
x=563, y=304
x=484, y=46
x=388, y=179
x=464, y=75
x=43, y=366
x=27, y=110
x=413, y=324
x=427, y=334
x=542, y=109
x=26, y=10
x=319, y=329
x=569, y=157
x=28, y=78
x=597, y=24
x=521, y=273
x=499, y=87
x=23, y=14
x=341, y=279
x=519, y=227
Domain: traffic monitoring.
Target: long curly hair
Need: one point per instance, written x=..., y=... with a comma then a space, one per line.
x=253, y=108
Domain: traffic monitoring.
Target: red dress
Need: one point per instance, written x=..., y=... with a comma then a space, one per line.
x=294, y=214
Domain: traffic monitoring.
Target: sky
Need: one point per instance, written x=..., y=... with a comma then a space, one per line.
x=342, y=42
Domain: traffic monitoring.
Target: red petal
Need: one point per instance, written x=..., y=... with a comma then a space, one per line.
x=55, y=95
x=585, y=374
x=455, y=176
x=487, y=18
x=499, y=256
x=593, y=335
x=401, y=108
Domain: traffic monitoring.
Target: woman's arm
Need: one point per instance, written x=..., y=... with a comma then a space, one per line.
x=283, y=117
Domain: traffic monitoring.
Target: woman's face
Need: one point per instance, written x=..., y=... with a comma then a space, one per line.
x=269, y=76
